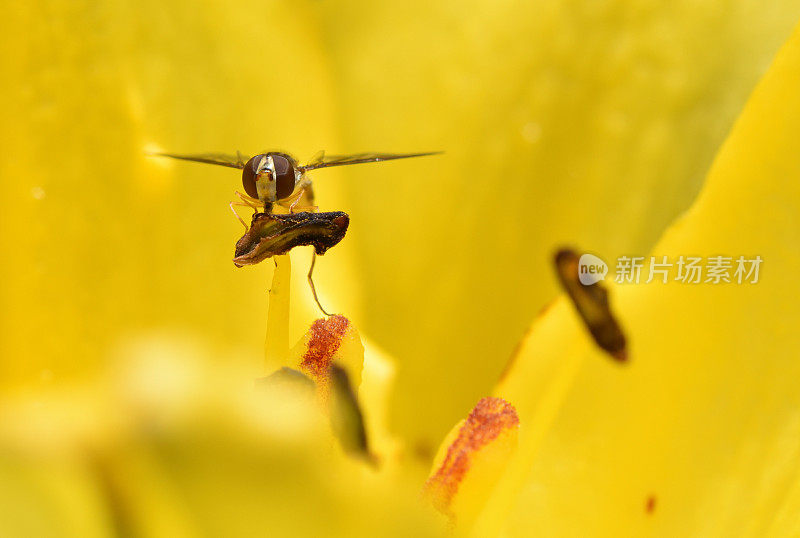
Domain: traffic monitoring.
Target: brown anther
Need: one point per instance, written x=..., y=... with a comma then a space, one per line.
x=591, y=302
x=272, y=234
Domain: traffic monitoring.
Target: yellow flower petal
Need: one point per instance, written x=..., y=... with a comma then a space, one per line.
x=99, y=241
x=698, y=435
x=562, y=123
x=201, y=453
x=590, y=113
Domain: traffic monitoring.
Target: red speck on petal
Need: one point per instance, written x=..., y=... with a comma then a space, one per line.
x=489, y=418
x=650, y=504
x=326, y=337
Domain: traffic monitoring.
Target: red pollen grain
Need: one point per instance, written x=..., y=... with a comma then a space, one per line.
x=488, y=419
x=326, y=337
x=650, y=504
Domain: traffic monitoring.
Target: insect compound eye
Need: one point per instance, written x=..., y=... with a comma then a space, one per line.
x=284, y=175
x=250, y=174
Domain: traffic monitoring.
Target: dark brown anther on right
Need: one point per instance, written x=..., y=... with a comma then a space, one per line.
x=591, y=302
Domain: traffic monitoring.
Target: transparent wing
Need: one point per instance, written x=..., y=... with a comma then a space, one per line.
x=220, y=159
x=323, y=161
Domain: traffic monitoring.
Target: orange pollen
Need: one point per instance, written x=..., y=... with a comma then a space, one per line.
x=488, y=419
x=326, y=337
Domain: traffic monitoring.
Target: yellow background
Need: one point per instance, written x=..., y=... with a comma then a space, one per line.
x=579, y=122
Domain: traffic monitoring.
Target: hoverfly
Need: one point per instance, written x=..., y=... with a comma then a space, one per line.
x=276, y=178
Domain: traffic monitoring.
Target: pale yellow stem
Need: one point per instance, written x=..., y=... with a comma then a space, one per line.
x=276, y=346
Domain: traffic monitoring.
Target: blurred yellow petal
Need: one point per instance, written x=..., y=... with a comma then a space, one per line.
x=583, y=123
x=42, y=496
x=100, y=241
x=591, y=124
x=202, y=454
x=698, y=435
x=375, y=394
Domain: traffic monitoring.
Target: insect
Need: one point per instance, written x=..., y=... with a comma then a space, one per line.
x=276, y=178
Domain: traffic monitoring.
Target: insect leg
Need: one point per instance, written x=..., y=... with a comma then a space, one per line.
x=291, y=201
x=311, y=208
x=311, y=282
x=249, y=201
x=306, y=194
x=294, y=207
x=237, y=214
x=297, y=198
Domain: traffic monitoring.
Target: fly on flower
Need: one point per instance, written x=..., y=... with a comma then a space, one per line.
x=276, y=178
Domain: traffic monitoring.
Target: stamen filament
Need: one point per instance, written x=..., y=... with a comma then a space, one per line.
x=276, y=346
